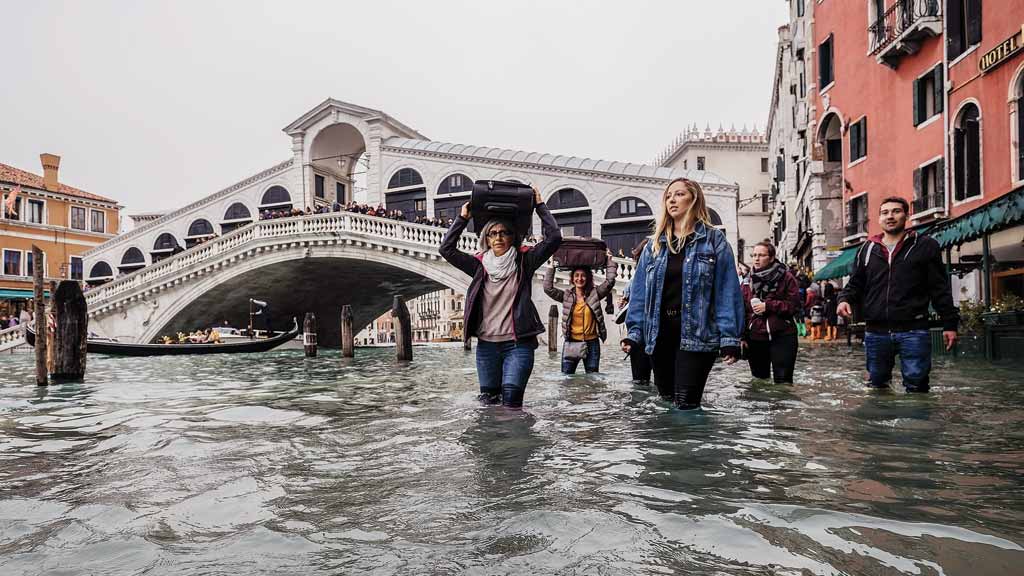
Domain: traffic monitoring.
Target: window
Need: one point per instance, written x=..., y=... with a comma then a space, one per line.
x=686, y=164
x=929, y=186
x=319, y=182
x=859, y=139
x=928, y=92
x=405, y=177
x=77, y=218
x=701, y=163
x=826, y=75
x=567, y=231
x=339, y=192
x=15, y=213
x=801, y=68
x=98, y=220
x=967, y=153
x=627, y=206
x=420, y=206
x=780, y=169
x=857, y=215
x=12, y=262
x=30, y=269
x=237, y=211
x=456, y=183
x=764, y=201
x=77, y=268
x=799, y=7
x=35, y=211
x=796, y=165
x=1020, y=129
x=764, y=165
x=963, y=18
x=101, y=270
x=276, y=196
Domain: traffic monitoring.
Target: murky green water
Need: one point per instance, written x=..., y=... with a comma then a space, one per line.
x=276, y=464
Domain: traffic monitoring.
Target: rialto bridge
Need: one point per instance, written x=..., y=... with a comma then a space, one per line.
x=200, y=263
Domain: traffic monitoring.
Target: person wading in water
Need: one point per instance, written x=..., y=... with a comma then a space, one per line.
x=685, y=302
x=772, y=299
x=499, y=303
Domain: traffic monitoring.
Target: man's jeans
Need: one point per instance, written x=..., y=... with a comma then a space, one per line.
x=503, y=369
x=592, y=363
x=915, y=350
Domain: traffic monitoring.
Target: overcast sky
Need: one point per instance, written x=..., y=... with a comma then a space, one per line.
x=157, y=104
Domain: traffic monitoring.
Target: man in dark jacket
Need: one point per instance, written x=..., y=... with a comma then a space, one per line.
x=894, y=277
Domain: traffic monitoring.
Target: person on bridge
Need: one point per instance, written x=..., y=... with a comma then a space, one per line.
x=582, y=316
x=894, y=277
x=772, y=299
x=685, y=302
x=499, y=302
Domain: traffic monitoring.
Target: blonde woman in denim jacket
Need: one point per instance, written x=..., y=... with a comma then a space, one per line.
x=686, y=306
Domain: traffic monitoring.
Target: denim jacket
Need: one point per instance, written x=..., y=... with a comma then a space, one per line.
x=712, y=302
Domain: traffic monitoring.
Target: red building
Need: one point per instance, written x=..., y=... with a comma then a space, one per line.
x=880, y=106
x=923, y=99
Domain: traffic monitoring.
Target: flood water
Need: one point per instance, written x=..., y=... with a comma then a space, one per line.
x=276, y=464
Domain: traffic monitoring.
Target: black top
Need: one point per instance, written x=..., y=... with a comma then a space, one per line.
x=672, y=290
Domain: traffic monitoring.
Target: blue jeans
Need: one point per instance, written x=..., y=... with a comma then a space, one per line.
x=915, y=350
x=503, y=369
x=592, y=363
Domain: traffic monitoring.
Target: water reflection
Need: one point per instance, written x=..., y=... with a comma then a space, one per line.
x=296, y=465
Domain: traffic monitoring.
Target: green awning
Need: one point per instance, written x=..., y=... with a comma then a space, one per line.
x=992, y=217
x=15, y=294
x=839, y=266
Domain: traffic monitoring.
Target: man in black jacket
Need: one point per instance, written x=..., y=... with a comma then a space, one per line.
x=894, y=277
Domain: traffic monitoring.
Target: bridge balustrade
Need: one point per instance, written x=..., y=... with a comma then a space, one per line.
x=331, y=224
x=11, y=337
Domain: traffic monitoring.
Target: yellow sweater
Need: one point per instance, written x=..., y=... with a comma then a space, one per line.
x=582, y=326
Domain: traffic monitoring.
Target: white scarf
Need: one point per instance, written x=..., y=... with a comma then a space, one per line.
x=499, y=267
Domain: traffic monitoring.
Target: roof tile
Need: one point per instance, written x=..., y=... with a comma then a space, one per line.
x=12, y=175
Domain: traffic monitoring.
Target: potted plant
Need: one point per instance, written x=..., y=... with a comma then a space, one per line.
x=972, y=328
x=1007, y=311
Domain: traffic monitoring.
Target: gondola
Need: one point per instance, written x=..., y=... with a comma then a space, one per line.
x=120, y=349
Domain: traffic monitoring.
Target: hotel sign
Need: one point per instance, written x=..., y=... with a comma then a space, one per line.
x=1003, y=52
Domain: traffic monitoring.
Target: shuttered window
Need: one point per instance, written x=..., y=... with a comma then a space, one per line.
x=859, y=139
x=929, y=186
x=825, y=59
x=967, y=154
x=928, y=95
x=964, y=21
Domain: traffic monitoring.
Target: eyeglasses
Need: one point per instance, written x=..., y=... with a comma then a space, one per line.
x=499, y=234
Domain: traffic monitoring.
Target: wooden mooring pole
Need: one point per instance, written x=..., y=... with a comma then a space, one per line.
x=309, y=335
x=403, y=329
x=348, y=349
x=553, y=328
x=40, y=306
x=71, y=331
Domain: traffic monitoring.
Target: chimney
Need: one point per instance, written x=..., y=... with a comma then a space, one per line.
x=51, y=163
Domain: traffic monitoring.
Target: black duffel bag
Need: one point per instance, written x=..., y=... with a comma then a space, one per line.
x=511, y=201
x=577, y=252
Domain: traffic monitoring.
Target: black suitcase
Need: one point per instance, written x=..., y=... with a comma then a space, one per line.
x=575, y=252
x=510, y=201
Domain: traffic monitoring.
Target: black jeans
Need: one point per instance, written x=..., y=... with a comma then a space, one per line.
x=679, y=375
x=640, y=363
x=776, y=356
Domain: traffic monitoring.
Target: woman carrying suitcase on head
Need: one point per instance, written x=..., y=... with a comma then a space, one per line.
x=582, y=317
x=685, y=306
x=499, y=304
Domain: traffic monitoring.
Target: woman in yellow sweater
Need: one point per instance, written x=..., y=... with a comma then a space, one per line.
x=582, y=317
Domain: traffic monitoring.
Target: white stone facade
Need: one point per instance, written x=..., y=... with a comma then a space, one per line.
x=327, y=140
x=806, y=220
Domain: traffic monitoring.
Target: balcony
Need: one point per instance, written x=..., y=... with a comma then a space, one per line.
x=931, y=204
x=900, y=31
x=855, y=229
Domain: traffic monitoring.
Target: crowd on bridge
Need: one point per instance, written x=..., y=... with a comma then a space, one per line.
x=356, y=208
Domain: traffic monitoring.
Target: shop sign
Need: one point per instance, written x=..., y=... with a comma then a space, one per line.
x=1003, y=52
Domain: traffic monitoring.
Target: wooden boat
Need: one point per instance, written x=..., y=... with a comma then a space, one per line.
x=112, y=348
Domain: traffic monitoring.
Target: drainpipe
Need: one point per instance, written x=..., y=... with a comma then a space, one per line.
x=986, y=279
x=946, y=165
